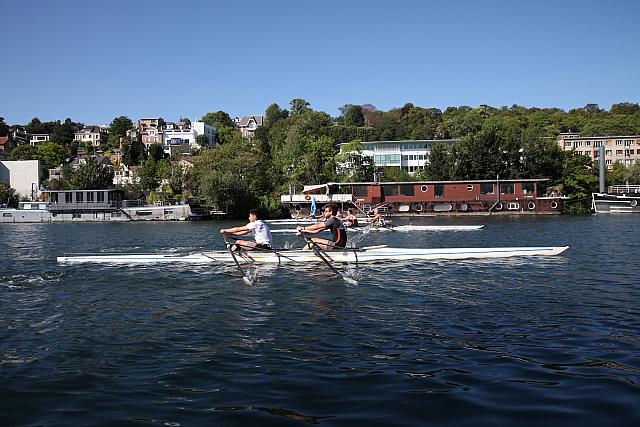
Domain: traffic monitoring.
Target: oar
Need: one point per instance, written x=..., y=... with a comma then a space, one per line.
x=318, y=252
x=245, y=277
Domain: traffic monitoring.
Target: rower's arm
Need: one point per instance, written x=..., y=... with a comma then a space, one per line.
x=312, y=229
x=235, y=230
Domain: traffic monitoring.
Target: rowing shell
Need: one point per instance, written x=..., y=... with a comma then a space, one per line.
x=372, y=254
x=404, y=228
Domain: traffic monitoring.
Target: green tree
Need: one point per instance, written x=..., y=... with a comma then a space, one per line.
x=617, y=175
x=91, y=176
x=120, y=125
x=233, y=177
x=274, y=113
x=219, y=120
x=356, y=167
x=440, y=166
x=541, y=157
x=8, y=195
x=24, y=152
x=351, y=115
x=299, y=106
x=63, y=133
x=579, y=180
x=202, y=140
x=148, y=175
x=133, y=153
x=395, y=174
x=156, y=152
x=118, y=130
x=4, y=128
x=51, y=154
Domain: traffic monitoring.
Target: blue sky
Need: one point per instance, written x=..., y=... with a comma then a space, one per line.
x=96, y=60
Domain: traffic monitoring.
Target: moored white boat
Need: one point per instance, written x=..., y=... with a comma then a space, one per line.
x=353, y=255
x=403, y=228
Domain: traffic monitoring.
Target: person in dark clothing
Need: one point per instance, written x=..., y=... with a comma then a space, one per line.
x=331, y=223
x=350, y=220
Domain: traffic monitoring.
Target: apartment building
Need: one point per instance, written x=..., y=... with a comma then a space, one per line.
x=623, y=149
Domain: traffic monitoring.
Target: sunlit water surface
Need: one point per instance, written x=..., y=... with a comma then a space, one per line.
x=540, y=341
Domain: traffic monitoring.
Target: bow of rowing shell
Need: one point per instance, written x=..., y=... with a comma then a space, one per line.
x=376, y=254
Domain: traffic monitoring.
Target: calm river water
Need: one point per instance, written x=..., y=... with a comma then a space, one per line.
x=517, y=342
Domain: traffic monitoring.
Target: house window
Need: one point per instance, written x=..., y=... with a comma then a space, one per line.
x=406, y=190
x=507, y=189
x=618, y=152
x=486, y=188
x=439, y=191
x=607, y=152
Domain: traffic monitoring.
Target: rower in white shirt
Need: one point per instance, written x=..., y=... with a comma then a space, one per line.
x=258, y=228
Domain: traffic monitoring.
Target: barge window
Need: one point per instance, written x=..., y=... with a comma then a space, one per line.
x=528, y=188
x=79, y=196
x=390, y=190
x=406, y=190
x=507, y=189
x=360, y=190
x=439, y=190
x=68, y=197
x=90, y=196
x=486, y=188
x=470, y=187
x=100, y=197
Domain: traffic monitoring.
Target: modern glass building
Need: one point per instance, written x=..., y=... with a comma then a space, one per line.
x=410, y=155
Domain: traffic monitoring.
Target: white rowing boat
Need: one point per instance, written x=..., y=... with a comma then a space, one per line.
x=402, y=228
x=353, y=255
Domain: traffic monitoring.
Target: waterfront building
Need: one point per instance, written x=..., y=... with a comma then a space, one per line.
x=409, y=155
x=248, y=125
x=92, y=134
x=623, y=149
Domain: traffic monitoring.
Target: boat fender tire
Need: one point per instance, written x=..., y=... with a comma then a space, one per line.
x=357, y=203
x=531, y=206
x=634, y=203
x=499, y=206
x=307, y=197
x=419, y=208
x=554, y=205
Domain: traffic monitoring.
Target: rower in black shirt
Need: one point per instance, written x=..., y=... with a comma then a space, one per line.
x=338, y=231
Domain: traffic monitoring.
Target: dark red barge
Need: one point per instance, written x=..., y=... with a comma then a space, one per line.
x=479, y=197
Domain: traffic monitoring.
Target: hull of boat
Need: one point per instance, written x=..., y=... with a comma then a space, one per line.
x=616, y=203
x=401, y=228
x=377, y=254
